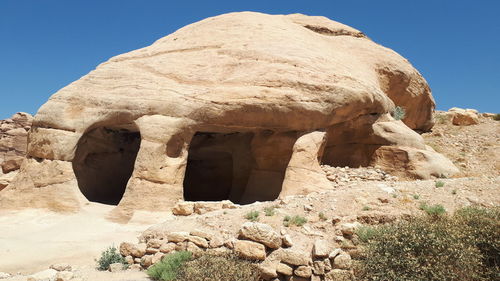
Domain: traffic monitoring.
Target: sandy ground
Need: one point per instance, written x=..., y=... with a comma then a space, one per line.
x=31, y=240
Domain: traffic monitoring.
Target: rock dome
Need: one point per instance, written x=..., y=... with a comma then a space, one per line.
x=241, y=106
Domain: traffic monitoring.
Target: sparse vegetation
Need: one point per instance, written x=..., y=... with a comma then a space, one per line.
x=416, y=196
x=465, y=246
x=168, y=268
x=366, y=208
x=434, y=210
x=110, y=256
x=270, y=211
x=226, y=267
x=252, y=216
x=398, y=113
x=439, y=184
x=322, y=216
x=454, y=192
x=496, y=117
x=295, y=220
x=365, y=233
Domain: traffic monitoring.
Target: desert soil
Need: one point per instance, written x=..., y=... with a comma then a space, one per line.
x=32, y=240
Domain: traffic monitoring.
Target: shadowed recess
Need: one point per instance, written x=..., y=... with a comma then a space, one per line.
x=243, y=167
x=104, y=161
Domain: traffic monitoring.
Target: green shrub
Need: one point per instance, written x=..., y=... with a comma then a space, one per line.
x=168, y=268
x=322, y=216
x=109, y=256
x=464, y=246
x=366, y=233
x=295, y=220
x=270, y=211
x=398, y=113
x=227, y=267
x=252, y=216
x=416, y=196
x=496, y=117
x=434, y=210
x=439, y=184
x=366, y=208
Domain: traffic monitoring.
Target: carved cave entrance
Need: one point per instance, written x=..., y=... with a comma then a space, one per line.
x=243, y=167
x=104, y=161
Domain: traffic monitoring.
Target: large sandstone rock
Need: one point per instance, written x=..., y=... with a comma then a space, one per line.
x=241, y=106
x=463, y=117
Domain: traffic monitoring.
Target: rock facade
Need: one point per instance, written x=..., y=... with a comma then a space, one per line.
x=13, y=144
x=259, y=100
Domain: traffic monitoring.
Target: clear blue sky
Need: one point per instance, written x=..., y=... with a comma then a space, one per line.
x=47, y=44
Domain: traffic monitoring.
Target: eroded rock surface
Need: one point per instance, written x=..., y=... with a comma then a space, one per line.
x=242, y=106
x=13, y=143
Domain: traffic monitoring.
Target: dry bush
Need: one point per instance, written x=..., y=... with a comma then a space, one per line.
x=222, y=267
x=463, y=247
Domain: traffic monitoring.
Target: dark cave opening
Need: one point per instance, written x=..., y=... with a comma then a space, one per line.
x=104, y=161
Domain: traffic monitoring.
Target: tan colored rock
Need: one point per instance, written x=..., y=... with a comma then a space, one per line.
x=339, y=275
x=183, y=208
x=216, y=242
x=463, y=117
x=48, y=274
x=303, y=271
x=155, y=243
x=135, y=250
x=61, y=267
x=349, y=228
x=147, y=261
x=271, y=96
x=294, y=257
x=177, y=237
x=284, y=269
x=65, y=275
x=205, y=207
x=267, y=271
x=342, y=261
x=321, y=248
x=129, y=260
x=202, y=234
x=322, y=266
x=167, y=248
x=157, y=257
x=115, y=267
x=152, y=251
x=198, y=241
x=250, y=250
x=287, y=240
x=261, y=233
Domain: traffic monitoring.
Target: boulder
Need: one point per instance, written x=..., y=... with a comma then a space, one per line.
x=261, y=233
x=177, y=236
x=183, y=208
x=321, y=248
x=45, y=275
x=250, y=250
x=342, y=261
x=463, y=117
x=260, y=100
x=116, y=267
x=4, y=275
x=294, y=257
x=303, y=271
x=284, y=269
x=135, y=250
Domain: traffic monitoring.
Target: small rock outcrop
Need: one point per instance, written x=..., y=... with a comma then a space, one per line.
x=13, y=144
x=463, y=117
